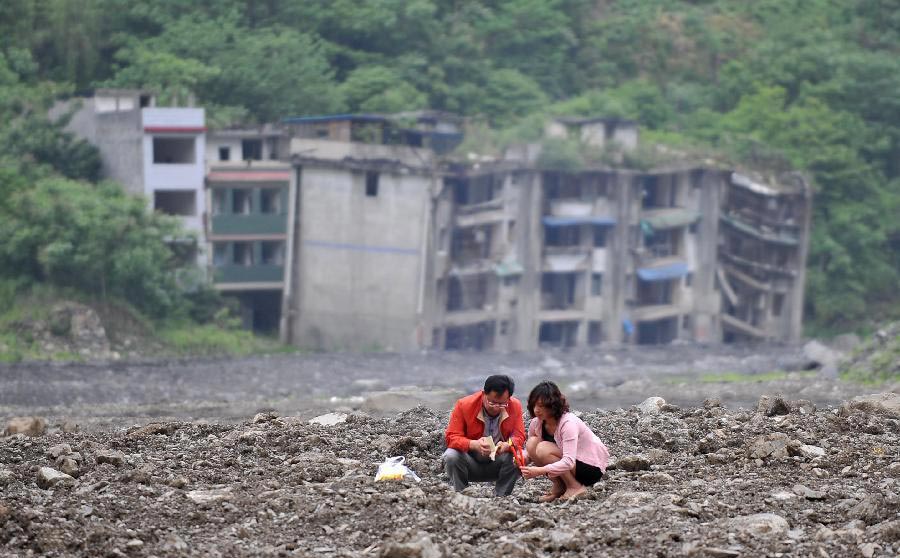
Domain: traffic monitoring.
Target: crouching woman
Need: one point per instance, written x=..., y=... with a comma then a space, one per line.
x=561, y=446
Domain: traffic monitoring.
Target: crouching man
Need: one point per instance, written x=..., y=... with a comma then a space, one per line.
x=482, y=424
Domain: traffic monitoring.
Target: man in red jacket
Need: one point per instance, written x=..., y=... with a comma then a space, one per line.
x=490, y=413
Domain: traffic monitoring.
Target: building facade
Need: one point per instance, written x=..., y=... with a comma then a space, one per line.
x=156, y=152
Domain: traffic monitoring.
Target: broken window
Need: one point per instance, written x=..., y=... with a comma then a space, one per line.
x=243, y=253
x=468, y=293
x=251, y=149
x=270, y=201
x=175, y=202
x=242, y=202
x=371, y=184
x=272, y=252
x=170, y=151
x=224, y=153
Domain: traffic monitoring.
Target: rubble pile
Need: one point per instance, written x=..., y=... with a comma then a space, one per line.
x=783, y=479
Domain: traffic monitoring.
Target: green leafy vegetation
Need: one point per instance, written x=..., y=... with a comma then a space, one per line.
x=810, y=85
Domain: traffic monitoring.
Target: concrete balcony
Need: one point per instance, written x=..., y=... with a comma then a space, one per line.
x=600, y=208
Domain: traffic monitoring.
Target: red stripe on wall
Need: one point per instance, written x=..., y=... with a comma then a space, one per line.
x=249, y=176
x=174, y=129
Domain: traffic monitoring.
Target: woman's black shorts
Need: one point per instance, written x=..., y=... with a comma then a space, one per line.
x=587, y=475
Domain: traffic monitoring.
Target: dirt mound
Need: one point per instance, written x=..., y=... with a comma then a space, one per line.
x=786, y=479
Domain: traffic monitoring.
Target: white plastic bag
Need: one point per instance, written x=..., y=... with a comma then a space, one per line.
x=393, y=468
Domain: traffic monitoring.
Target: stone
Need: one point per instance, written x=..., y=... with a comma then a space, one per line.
x=803, y=406
x=134, y=544
x=151, y=429
x=4, y=513
x=51, y=478
x=564, y=539
x=887, y=403
x=868, y=509
x=6, y=477
x=769, y=445
x=633, y=463
x=58, y=450
x=329, y=419
x=210, y=496
x=773, y=405
x=30, y=426
x=811, y=452
x=113, y=457
x=808, y=493
x=651, y=405
x=761, y=524
x=717, y=552
x=267, y=416
x=868, y=549
x=68, y=465
x=420, y=547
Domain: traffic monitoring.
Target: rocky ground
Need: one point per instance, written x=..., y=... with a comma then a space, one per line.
x=782, y=479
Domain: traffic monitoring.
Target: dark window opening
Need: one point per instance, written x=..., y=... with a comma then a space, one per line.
x=242, y=202
x=176, y=202
x=558, y=291
x=566, y=236
x=144, y=101
x=273, y=252
x=219, y=201
x=243, y=253
x=595, y=333
x=270, y=201
x=777, y=304
x=371, y=184
x=220, y=254
x=658, y=333
x=173, y=151
x=224, y=153
x=476, y=337
x=558, y=334
x=654, y=292
x=252, y=149
x=471, y=243
x=596, y=284
x=599, y=236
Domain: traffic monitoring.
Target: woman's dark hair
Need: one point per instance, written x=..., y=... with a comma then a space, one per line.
x=548, y=395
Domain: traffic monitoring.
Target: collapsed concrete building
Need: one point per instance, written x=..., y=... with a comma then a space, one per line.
x=397, y=246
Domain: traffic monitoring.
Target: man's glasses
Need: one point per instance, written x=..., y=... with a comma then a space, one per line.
x=496, y=405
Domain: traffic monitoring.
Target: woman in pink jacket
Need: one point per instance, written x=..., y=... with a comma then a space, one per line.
x=561, y=445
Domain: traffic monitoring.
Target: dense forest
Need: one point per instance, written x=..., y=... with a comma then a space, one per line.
x=812, y=85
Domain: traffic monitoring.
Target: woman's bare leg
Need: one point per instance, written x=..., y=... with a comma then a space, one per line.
x=546, y=453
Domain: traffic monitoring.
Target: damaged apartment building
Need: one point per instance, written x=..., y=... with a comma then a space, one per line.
x=371, y=231
x=397, y=245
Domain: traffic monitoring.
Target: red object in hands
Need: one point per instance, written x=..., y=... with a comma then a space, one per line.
x=518, y=455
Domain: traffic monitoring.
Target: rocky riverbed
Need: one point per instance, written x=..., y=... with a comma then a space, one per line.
x=784, y=478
